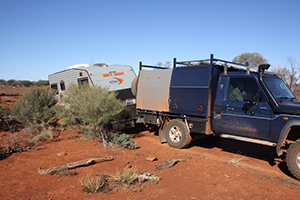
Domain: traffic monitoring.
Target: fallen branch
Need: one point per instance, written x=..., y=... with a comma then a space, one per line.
x=168, y=163
x=73, y=165
x=36, y=148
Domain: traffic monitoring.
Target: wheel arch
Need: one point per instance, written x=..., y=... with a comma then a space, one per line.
x=290, y=132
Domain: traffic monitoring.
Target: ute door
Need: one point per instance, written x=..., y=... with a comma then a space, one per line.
x=244, y=111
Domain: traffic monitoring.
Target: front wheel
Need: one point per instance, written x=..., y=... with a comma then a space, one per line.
x=177, y=134
x=293, y=159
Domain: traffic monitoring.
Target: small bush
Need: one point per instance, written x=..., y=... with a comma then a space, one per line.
x=128, y=176
x=12, y=145
x=124, y=140
x=41, y=135
x=7, y=122
x=35, y=134
x=35, y=107
x=93, y=185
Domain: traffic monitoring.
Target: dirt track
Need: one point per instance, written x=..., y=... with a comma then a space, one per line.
x=214, y=168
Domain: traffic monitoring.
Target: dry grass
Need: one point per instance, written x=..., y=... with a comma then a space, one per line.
x=94, y=185
x=37, y=134
x=237, y=160
x=128, y=176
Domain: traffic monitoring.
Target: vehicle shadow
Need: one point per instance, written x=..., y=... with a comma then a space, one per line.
x=137, y=131
x=257, y=151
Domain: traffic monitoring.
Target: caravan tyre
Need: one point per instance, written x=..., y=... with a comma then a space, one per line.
x=293, y=159
x=177, y=134
x=134, y=86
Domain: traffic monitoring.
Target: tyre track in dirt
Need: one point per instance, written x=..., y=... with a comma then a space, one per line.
x=241, y=154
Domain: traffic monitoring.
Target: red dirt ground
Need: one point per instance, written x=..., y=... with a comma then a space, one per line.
x=214, y=168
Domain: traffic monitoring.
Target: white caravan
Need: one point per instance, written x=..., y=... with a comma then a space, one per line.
x=116, y=77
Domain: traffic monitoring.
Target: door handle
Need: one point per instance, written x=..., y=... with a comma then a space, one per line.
x=230, y=109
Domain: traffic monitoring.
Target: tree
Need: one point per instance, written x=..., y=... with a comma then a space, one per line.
x=10, y=82
x=2, y=82
x=166, y=64
x=290, y=74
x=253, y=59
x=159, y=64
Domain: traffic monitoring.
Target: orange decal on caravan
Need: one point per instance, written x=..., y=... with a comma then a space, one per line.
x=120, y=80
x=107, y=75
x=112, y=74
x=118, y=73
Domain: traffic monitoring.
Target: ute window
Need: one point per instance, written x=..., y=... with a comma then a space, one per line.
x=278, y=88
x=54, y=86
x=83, y=81
x=244, y=89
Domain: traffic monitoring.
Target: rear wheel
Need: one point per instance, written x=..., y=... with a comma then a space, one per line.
x=177, y=134
x=293, y=159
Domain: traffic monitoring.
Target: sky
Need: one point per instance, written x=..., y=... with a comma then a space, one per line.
x=41, y=37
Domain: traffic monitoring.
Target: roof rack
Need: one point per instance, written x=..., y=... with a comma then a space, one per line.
x=212, y=60
x=148, y=66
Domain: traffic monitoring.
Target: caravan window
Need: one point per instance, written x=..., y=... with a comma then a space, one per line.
x=83, y=81
x=62, y=85
x=54, y=86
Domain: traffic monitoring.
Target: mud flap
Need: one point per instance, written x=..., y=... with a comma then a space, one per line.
x=162, y=136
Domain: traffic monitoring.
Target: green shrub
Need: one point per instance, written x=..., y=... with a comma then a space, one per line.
x=93, y=107
x=88, y=133
x=35, y=107
x=124, y=140
x=41, y=83
x=22, y=83
x=10, y=82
